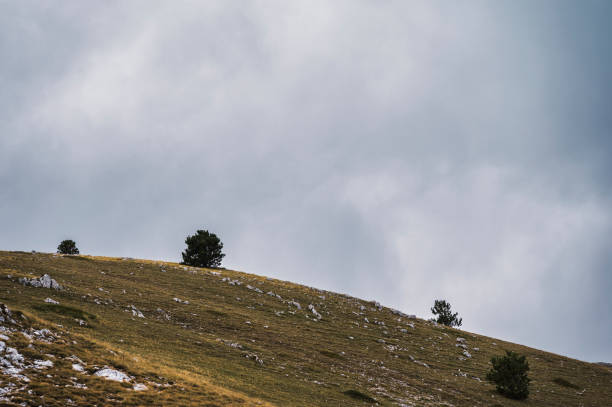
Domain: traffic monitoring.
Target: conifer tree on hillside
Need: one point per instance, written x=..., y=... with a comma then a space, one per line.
x=509, y=373
x=203, y=250
x=442, y=309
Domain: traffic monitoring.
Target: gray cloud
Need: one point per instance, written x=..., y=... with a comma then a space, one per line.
x=398, y=151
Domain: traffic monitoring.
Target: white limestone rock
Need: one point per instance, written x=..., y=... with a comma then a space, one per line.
x=45, y=281
x=140, y=387
x=135, y=311
x=400, y=313
x=112, y=374
x=41, y=364
x=257, y=290
x=312, y=309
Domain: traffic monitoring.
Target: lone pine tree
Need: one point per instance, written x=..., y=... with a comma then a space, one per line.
x=203, y=250
x=442, y=309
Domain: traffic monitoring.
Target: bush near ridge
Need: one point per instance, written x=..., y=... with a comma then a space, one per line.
x=67, y=246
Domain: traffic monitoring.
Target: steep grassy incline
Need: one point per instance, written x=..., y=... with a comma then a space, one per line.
x=189, y=336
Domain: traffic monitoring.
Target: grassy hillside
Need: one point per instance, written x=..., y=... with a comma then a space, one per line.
x=189, y=336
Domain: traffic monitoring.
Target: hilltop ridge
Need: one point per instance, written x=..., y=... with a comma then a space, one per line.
x=168, y=334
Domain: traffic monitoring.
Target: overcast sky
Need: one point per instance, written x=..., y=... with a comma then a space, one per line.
x=392, y=150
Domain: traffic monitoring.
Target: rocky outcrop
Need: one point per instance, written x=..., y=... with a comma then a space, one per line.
x=45, y=281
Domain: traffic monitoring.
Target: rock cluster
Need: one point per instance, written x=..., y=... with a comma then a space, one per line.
x=45, y=281
x=6, y=315
x=461, y=343
x=135, y=311
x=257, y=290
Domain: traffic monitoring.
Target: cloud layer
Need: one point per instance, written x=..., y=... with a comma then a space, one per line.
x=398, y=151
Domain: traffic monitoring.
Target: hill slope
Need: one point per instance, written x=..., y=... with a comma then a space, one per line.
x=188, y=336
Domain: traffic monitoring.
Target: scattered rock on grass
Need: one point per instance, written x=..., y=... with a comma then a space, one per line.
x=314, y=311
x=6, y=315
x=254, y=357
x=41, y=364
x=257, y=290
x=164, y=314
x=140, y=387
x=135, y=311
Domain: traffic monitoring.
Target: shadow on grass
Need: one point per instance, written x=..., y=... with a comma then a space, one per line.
x=78, y=258
x=330, y=354
x=357, y=395
x=65, y=310
x=562, y=382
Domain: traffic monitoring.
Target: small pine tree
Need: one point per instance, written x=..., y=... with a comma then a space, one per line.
x=203, y=250
x=509, y=373
x=442, y=309
x=67, y=247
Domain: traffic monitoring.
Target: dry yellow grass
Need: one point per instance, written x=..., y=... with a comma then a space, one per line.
x=231, y=345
